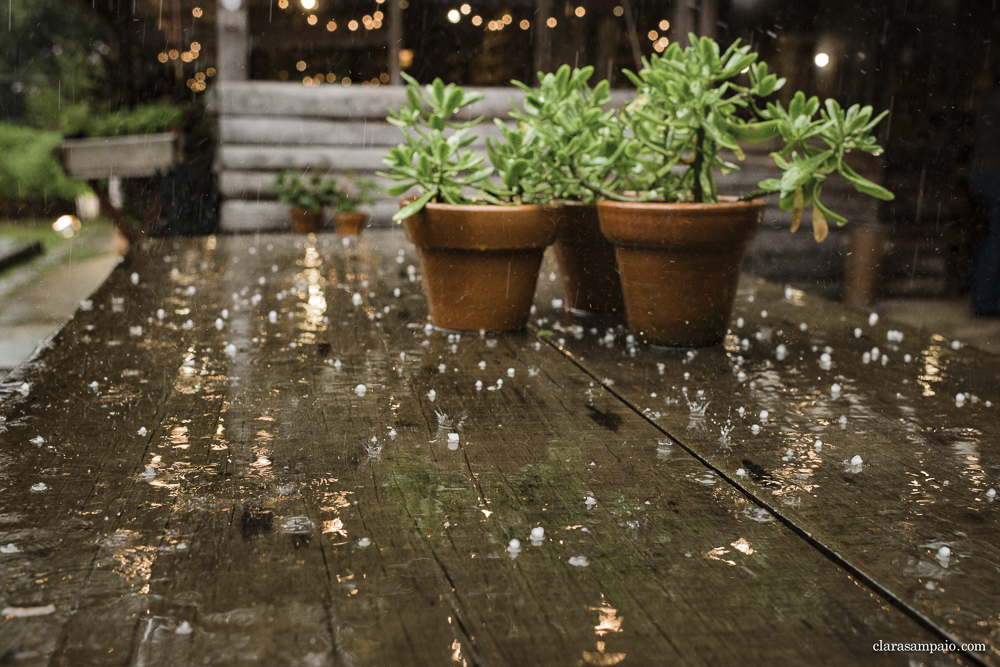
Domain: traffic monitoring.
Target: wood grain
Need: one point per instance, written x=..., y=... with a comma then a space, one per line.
x=257, y=512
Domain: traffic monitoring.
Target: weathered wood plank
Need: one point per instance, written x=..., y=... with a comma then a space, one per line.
x=927, y=462
x=300, y=157
x=310, y=131
x=276, y=99
x=268, y=475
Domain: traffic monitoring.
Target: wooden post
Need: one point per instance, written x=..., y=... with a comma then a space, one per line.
x=543, y=36
x=395, y=41
x=683, y=22
x=708, y=17
x=233, y=41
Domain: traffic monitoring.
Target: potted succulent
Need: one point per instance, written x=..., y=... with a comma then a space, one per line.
x=569, y=117
x=345, y=200
x=480, y=241
x=306, y=196
x=679, y=244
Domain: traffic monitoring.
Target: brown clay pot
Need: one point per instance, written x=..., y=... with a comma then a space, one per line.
x=680, y=265
x=305, y=221
x=586, y=259
x=480, y=263
x=350, y=224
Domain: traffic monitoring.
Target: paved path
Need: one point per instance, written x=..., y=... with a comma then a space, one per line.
x=38, y=297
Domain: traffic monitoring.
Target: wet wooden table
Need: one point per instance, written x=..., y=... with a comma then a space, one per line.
x=250, y=450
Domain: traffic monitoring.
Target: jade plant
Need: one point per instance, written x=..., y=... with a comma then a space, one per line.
x=310, y=193
x=436, y=158
x=570, y=119
x=346, y=198
x=693, y=104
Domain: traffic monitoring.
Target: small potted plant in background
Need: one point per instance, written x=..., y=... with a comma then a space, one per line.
x=306, y=195
x=480, y=241
x=569, y=117
x=345, y=198
x=679, y=244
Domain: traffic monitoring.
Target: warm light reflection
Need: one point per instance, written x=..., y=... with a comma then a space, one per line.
x=456, y=652
x=608, y=621
x=743, y=546
x=933, y=366
x=717, y=554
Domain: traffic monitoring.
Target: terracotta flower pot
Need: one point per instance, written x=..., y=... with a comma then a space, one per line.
x=586, y=259
x=350, y=224
x=480, y=263
x=680, y=265
x=305, y=221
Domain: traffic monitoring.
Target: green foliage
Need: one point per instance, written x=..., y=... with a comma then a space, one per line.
x=439, y=164
x=142, y=119
x=346, y=198
x=304, y=191
x=692, y=104
x=27, y=167
x=817, y=141
x=569, y=117
x=437, y=160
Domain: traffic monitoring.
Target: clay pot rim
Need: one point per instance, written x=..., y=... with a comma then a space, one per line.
x=472, y=208
x=725, y=201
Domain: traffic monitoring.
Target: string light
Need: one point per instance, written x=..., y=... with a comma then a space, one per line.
x=352, y=26
x=525, y=24
x=618, y=10
x=477, y=20
x=308, y=4
x=312, y=19
x=664, y=25
x=580, y=11
x=551, y=22
x=196, y=12
x=454, y=16
x=331, y=26
x=653, y=36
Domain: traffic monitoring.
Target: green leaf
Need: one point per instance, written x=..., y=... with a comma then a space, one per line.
x=414, y=207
